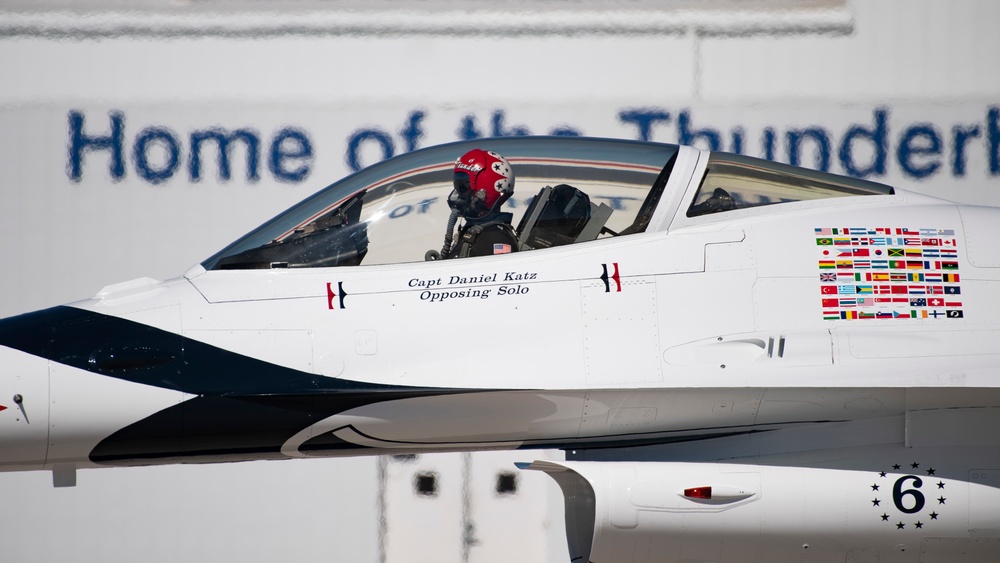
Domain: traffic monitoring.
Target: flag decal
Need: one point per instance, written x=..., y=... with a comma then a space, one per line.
x=921, y=262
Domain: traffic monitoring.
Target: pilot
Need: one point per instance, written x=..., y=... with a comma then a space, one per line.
x=483, y=181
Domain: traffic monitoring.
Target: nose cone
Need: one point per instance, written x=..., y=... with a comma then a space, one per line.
x=65, y=384
x=24, y=410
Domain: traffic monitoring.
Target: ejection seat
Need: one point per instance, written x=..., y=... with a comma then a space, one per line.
x=561, y=215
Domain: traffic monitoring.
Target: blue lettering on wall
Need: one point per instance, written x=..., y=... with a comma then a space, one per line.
x=222, y=139
x=917, y=142
x=877, y=136
x=565, y=131
x=412, y=131
x=737, y=136
x=80, y=142
x=364, y=136
x=863, y=150
x=686, y=136
x=500, y=130
x=145, y=141
x=993, y=139
x=821, y=141
x=467, y=129
x=291, y=155
x=768, y=140
x=960, y=136
x=157, y=151
x=643, y=119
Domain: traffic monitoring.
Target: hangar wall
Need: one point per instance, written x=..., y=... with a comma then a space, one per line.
x=110, y=169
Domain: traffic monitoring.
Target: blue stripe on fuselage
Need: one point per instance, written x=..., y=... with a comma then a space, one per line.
x=245, y=408
x=81, y=338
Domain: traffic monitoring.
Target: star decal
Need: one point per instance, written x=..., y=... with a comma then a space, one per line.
x=908, y=499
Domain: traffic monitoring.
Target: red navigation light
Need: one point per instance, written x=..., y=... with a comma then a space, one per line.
x=699, y=492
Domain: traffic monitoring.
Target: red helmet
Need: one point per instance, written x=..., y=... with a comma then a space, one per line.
x=483, y=181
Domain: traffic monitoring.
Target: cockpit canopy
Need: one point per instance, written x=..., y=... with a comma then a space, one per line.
x=734, y=182
x=567, y=190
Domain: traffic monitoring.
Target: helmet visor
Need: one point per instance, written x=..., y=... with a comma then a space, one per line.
x=462, y=183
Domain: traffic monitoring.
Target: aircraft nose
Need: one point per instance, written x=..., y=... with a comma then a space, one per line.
x=24, y=410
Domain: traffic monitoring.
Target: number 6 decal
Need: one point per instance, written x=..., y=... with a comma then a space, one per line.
x=898, y=493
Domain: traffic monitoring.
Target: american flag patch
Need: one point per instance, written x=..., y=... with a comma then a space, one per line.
x=501, y=248
x=853, y=264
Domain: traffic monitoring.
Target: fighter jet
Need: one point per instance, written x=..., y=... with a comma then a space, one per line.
x=744, y=361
